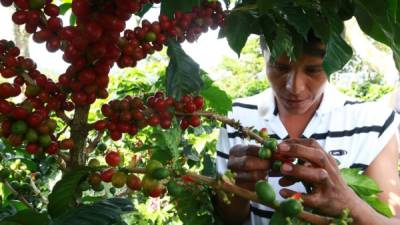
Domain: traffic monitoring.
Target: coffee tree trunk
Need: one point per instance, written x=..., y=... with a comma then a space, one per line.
x=79, y=133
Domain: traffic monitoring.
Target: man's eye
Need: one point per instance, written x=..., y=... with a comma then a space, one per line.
x=281, y=68
x=313, y=70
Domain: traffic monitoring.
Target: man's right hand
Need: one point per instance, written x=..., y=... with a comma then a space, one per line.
x=249, y=168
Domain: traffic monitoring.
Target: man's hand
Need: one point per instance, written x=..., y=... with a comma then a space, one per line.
x=249, y=168
x=330, y=193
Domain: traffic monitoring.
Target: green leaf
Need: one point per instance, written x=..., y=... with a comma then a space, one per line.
x=238, y=26
x=209, y=168
x=4, y=193
x=277, y=219
x=72, y=19
x=374, y=19
x=215, y=98
x=17, y=204
x=265, y=6
x=29, y=217
x=7, y=211
x=298, y=19
x=320, y=25
x=105, y=212
x=63, y=194
x=168, y=7
x=378, y=205
x=282, y=43
x=144, y=9
x=65, y=7
x=338, y=53
x=190, y=153
x=183, y=73
x=362, y=184
x=194, y=206
x=9, y=223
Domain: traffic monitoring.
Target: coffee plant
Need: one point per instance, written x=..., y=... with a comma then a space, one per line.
x=48, y=135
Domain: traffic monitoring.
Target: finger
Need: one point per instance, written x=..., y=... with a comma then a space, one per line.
x=313, y=200
x=314, y=145
x=288, y=181
x=286, y=193
x=312, y=175
x=248, y=163
x=314, y=155
x=253, y=176
x=246, y=185
x=242, y=150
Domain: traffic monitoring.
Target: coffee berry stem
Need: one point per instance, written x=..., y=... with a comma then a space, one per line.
x=247, y=132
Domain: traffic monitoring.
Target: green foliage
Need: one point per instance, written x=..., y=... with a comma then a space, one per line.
x=168, y=7
x=183, y=74
x=283, y=22
x=243, y=77
x=105, y=212
x=63, y=194
x=366, y=83
x=216, y=98
x=194, y=206
x=366, y=188
x=27, y=217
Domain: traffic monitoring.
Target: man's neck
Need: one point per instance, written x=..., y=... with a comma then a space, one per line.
x=295, y=124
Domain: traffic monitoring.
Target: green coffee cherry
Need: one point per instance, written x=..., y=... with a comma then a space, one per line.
x=265, y=192
x=291, y=207
x=264, y=153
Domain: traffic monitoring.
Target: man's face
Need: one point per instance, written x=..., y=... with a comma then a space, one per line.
x=298, y=85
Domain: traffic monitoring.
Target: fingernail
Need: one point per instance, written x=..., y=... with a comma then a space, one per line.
x=284, y=147
x=287, y=167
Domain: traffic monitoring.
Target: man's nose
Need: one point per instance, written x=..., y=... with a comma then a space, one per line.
x=295, y=83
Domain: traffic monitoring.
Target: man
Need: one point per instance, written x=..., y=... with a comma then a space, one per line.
x=317, y=124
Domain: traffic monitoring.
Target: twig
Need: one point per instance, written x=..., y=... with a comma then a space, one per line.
x=62, y=160
x=37, y=191
x=19, y=196
x=247, y=132
x=64, y=117
x=61, y=132
x=94, y=142
x=28, y=79
x=246, y=194
x=249, y=195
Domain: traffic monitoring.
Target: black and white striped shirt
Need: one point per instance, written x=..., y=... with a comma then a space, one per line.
x=354, y=133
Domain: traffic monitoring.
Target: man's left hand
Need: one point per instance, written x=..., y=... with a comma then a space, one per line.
x=330, y=193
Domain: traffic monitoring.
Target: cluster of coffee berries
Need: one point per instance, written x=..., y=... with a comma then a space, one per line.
x=29, y=120
x=268, y=151
x=152, y=183
x=94, y=44
x=141, y=41
x=132, y=113
x=40, y=91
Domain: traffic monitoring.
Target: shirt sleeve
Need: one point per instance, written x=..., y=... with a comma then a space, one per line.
x=223, y=147
x=386, y=124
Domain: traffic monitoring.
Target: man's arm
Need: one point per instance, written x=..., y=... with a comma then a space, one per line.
x=384, y=171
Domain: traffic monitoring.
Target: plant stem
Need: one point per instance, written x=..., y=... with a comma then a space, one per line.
x=247, y=132
x=244, y=193
x=79, y=133
x=19, y=196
